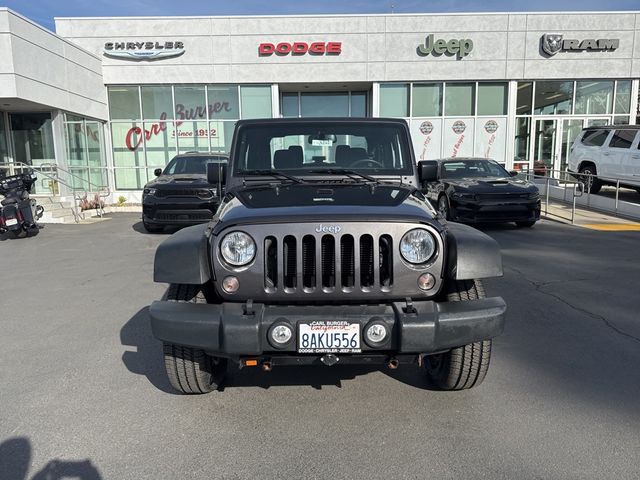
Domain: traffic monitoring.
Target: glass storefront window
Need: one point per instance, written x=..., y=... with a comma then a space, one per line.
x=192, y=136
x=4, y=151
x=459, y=99
x=492, y=98
x=32, y=138
x=324, y=104
x=127, y=140
x=426, y=100
x=156, y=103
x=221, y=134
x=223, y=102
x=623, y=96
x=255, y=101
x=358, y=104
x=160, y=143
x=620, y=120
x=524, y=98
x=190, y=103
x=124, y=103
x=84, y=153
x=553, y=97
x=130, y=178
x=394, y=100
x=522, y=139
x=593, y=98
x=290, y=105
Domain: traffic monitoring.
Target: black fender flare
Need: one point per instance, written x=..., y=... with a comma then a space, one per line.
x=184, y=257
x=471, y=254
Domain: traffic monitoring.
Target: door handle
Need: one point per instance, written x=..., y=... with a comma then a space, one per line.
x=635, y=156
x=606, y=153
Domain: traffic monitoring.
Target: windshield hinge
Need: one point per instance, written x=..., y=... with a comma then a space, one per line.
x=409, y=308
x=248, y=308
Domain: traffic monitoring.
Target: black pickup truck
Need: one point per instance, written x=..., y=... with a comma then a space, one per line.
x=325, y=251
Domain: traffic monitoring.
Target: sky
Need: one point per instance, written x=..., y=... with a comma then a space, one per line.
x=43, y=11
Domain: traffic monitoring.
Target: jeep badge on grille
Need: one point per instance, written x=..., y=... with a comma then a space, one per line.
x=320, y=228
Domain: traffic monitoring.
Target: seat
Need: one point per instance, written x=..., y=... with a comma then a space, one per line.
x=342, y=155
x=282, y=159
x=9, y=201
x=357, y=153
x=297, y=155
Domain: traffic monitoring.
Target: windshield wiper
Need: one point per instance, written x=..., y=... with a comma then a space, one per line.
x=345, y=171
x=272, y=173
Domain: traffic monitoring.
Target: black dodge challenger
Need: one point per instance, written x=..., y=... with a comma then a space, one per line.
x=478, y=190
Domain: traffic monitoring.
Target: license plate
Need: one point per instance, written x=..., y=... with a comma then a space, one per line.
x=11, y=221
x=329, y=336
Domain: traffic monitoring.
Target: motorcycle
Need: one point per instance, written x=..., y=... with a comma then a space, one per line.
x=19, y=213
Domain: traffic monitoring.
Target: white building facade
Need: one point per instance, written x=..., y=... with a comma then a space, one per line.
x=136, y=91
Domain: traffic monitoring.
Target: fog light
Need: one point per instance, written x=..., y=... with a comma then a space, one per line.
x=230, y=284
x=281, y=334
x=376, y=333
x=426, y=281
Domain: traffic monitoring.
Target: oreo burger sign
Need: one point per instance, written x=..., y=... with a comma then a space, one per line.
x=299, y=48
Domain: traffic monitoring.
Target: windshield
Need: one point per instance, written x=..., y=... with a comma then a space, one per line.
x=309, y=148
x=191, y=164
x=472, y=168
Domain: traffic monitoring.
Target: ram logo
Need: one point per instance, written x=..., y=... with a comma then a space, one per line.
x=551, y=43
x=335, y=229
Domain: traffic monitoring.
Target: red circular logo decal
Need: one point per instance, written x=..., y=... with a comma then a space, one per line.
x=491, y=126
x=426, y=127
x=458, y=127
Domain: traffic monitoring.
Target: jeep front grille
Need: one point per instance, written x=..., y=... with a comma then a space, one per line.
x=311, y=262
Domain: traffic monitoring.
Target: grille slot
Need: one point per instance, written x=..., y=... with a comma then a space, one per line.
x=328, y=255
x=270, y=264
x=386, y=261
x=308, y=262
x=366, y=261
x=347, y=261
x=289, y=262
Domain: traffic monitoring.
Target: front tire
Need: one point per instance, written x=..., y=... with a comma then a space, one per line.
x=443, y=207
x=462, y=367
x=191, y=370
x=591, y=184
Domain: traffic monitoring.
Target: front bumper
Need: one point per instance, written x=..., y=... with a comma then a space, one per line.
x=178, y=211
x=474, y=211
x=229, y=330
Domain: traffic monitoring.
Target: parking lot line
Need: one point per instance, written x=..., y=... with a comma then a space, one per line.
x=613, y=227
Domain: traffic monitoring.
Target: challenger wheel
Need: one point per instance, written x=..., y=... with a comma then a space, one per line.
x=466, y=366
x=191, y=370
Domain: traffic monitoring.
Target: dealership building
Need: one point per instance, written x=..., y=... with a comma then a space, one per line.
x=108, y=100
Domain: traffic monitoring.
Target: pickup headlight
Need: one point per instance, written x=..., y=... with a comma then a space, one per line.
x=237, y=248
x=417, y=246
x=149, y=191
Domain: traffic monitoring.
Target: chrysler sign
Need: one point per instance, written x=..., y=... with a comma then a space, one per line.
x=552, y=43
x=143, y=50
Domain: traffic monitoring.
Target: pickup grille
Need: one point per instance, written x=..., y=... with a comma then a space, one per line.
x=328, y=262
x=184, y=192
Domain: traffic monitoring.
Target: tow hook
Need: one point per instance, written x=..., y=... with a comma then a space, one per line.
x=393, y=363
x=329, y=359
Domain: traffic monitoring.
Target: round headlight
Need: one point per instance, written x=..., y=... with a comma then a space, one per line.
x=237, y=248
x=417, y=246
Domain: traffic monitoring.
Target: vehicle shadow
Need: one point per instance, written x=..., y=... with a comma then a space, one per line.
x=312, y=376
x=15, y=460
x=139, y=228
x=147, y=359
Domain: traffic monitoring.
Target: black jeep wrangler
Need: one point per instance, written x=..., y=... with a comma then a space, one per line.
x=324, y=251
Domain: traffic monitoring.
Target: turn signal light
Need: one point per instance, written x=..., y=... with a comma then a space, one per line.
x=251, y=363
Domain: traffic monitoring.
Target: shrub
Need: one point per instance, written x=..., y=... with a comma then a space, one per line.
x=122, y=200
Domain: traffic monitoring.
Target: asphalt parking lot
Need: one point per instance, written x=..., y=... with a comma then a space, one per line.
x=83, y=392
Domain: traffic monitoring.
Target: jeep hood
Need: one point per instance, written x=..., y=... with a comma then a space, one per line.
x=320, y=203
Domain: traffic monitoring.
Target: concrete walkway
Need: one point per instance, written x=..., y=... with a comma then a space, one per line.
x=588, y=219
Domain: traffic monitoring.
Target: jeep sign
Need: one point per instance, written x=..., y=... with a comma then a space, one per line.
x=461, y=48
x=552, y=43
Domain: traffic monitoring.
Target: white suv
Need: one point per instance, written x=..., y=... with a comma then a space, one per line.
x=611, y=152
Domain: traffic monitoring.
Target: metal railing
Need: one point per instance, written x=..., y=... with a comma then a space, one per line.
x=580, y=186
x=52, y=172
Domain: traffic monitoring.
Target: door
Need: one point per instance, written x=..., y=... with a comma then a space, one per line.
x=631, y=168
x=571, y=128
x=545, y=145
x=618, y=155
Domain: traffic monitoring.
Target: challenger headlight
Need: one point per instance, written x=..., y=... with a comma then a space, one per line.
x=463, y=195
x=149, y=191
x=417, y=246
x=237, y=248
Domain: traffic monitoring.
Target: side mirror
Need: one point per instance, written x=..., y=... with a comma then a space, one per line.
x=427, y=171
x=216, y=174
x=157, y=172
x=514, y=173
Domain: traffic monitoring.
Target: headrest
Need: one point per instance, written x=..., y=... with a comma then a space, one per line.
x=358, y=153
x=342, y=155
x=287, y=159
